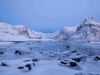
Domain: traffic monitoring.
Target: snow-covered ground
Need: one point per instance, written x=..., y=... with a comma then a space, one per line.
x=6, y=43
x=50, y=58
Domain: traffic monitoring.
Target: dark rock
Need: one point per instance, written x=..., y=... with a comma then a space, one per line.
x=78, y=54
x=1, y=52
x=97, y=58
x=80, y=58
x=68, y=63
x=41, y=52
x=34, y=64
x=77, y=59
x=35, y=60
x=73, y=51
x=63, y=62
x=18, y=52
x=31, y=48
x=67, y=46
x=3, y=64
x=73, y=64
x=20, y=67
x=28, y=66
x=26, y=60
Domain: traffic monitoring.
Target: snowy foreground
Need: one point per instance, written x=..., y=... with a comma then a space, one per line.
x=49, y=58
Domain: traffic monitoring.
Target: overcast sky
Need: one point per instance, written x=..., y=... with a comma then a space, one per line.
x=48, y=15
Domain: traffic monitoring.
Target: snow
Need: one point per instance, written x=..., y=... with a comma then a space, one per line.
x=66, y=32
x=88, y=31
x=6, y=43
x=90, y=20
x=22, y=33
x=70, y=28
x=19, y=45
x=48, y=60
x=49, y=35
x=16, y=33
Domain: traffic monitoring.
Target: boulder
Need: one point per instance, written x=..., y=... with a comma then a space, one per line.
x=21, y=67
x=1, y=52
x=26, y=60
x=67, y=46
x=3, y=64
x=34, y=60
x=97, y=58
x=18, y=52
x=77, y=59
x=73, y=64
x=63, y=62
x=28, y=66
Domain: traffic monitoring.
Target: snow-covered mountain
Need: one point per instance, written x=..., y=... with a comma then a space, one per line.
x=66, y=32
x=49, y=35
x=89, y=30
x=16, y=33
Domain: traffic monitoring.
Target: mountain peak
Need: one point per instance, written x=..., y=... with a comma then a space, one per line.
x=90, y=20
x=89, y=30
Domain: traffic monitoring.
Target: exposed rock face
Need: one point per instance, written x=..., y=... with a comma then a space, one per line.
x=22, y=30
x=89, y=30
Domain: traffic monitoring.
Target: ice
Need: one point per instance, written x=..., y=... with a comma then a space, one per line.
x=49, y=55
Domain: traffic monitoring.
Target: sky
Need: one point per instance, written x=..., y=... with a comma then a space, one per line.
x=48, y=15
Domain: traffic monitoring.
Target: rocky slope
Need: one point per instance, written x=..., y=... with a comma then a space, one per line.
x=89, y=30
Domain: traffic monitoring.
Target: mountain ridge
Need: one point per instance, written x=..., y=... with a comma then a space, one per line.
x=18, y=32
x=88, y=31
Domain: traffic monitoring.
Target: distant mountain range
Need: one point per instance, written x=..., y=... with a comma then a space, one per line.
x=88, y=31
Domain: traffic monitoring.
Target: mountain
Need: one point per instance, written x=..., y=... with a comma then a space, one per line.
x=66, y=33
x=49, y=35
x=16, y=33
x=89, y=30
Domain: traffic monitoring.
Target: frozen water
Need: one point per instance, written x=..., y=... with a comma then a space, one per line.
x=49, y=55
